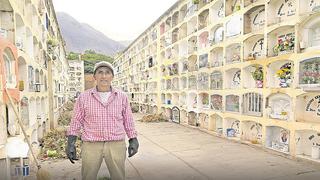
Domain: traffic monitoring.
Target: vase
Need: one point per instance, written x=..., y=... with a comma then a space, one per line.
x=283, y=83
x=259, y=83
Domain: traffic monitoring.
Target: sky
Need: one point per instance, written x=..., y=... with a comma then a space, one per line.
x=118, y=19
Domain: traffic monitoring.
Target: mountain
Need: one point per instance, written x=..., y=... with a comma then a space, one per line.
x=80, y=37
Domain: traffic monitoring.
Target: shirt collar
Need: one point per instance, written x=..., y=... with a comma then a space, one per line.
x=113, y=91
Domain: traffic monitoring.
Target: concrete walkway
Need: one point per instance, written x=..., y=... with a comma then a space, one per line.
x=170, y=151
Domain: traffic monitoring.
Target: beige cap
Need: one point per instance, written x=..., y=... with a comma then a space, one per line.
x=103, y=64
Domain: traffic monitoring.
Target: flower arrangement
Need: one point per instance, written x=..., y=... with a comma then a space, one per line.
x=205, y=100
x=284, y=74
x=236, y=8
x=257, y=74
x=284, y=44
x=174, y=69
x=216, y=102
x=21, y=86
x=52, y=42
x=196, y=1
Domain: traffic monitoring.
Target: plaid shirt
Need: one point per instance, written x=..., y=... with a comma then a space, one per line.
x=102, y=121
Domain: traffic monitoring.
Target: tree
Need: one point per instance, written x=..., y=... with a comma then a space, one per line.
x=92, y=57
x=73, y=56
x=89, y=51
x=88, y=69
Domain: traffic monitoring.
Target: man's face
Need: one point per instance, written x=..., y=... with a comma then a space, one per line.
x=103, y=76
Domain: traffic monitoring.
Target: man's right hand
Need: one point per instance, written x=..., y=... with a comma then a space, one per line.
x=71, y=148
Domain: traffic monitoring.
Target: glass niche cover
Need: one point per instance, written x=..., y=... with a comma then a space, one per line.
x=309, y=76
x=234, y=22
x=310, y=71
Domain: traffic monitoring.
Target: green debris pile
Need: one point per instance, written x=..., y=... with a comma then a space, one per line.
x=154, y=118
x=66, y=113
x=54, y=145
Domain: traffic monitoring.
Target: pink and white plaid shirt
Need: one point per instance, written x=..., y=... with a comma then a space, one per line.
x=99, y=121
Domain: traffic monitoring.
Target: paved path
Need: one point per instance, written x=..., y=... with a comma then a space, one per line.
x=173, y=152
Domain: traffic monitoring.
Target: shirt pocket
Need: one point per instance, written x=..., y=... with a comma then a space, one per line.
x=118, y=116
x=116, y=112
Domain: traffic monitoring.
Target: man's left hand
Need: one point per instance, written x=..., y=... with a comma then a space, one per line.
x=133, y=146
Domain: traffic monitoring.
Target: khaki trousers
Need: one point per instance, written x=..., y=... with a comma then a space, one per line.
x=113, y=153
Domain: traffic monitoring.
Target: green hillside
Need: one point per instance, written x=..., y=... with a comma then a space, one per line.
x=90, y=57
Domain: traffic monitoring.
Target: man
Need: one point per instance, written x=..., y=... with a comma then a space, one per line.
x=103, y=115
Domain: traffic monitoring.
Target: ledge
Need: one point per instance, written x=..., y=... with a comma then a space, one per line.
x=310, y=87
x=2, y=152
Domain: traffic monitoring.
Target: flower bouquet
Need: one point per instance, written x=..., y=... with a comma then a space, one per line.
x=284, y=74
x=285, y=44
x=257, y=75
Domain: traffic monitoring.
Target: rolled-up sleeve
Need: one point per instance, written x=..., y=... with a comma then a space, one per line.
x=128, y=121
x=76, y=123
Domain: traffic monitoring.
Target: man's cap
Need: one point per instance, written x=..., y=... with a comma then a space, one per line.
x=102, y=64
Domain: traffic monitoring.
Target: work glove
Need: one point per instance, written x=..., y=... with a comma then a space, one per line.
x=71, y=148
x=133, y=146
